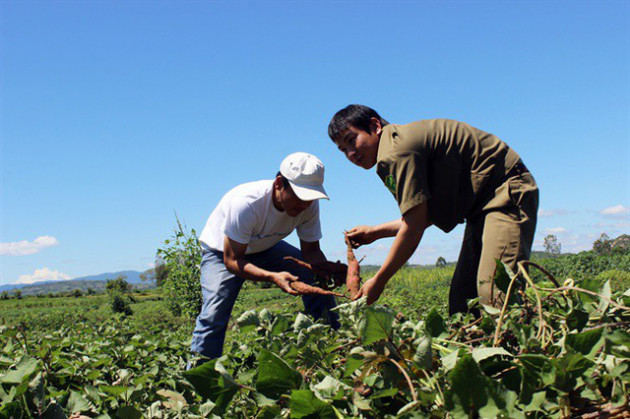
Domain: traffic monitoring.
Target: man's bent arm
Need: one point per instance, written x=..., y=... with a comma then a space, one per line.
x=413, y=224
x=235, y=262
x=388, y=229
x=360, y=235
x=311, y=252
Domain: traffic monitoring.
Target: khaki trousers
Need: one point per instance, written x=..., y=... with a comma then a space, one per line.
x=503, y=230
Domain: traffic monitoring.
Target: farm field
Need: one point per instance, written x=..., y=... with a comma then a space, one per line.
x=560, y=350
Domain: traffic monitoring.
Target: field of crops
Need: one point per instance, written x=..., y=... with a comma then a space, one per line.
x=555, y=350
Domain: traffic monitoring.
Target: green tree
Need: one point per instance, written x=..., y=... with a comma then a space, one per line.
x=441, y=262
x=603, y=245
x=4, y=295
x=182, y=258
x=161, y=272
x=77, y=293
x=18, y=294
x=158, y=273
x=118, y=293
x=118, y=284
x=552, y=245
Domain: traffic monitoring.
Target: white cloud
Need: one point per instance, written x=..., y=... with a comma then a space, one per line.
x=43, y=274
x=550, y=213
x=616, y=211
x=555, y=230
x=24, y=247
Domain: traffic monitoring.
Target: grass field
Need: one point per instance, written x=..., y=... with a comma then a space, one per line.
x=73, y=356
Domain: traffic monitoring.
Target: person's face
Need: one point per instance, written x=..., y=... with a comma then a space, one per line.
x=290, y=203
x=361, y=147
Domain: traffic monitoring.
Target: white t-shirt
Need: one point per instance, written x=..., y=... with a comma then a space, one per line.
x=246, y=214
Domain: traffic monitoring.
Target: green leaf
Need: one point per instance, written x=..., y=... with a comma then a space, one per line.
x=377, y=324
x=618, y=343
x=468, y=384
x=302, y=321
x=493, y=311
x=270, y=412
x=479, y=354
x=77, y=403
x=409, y=407
x=503, y=276
x=591, y=285
x=37, y=391
x=22, y=372
x=304, y=404
x=424, y=355
x=212, y=383
x=585, y=343
x=275, y=376
x=330, y=387
x=248, y=321
x=113, y=390
x=434, y=324
x=280, y=324
x=54, y=411
x=10, y=410
x=381, y=394
x=537, y=401
x=568, y=369
x=449, y=361
x=128, y=412
x=533, y=362
x=353, y=361
x=606, y=293
x=577, y=319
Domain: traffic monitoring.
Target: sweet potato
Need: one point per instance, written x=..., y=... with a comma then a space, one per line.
x=306, y=289
x=353, y=276
x=328, y=275
x=299, y=262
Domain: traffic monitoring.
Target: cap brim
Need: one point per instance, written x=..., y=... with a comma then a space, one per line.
x=309, y=192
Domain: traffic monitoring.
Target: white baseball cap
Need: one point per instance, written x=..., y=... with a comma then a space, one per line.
x=305, y=174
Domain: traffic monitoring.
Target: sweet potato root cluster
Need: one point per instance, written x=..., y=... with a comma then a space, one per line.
x=303, y=287
x=353, y=276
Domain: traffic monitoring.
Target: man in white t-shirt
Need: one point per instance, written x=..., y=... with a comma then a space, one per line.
x=242, y=240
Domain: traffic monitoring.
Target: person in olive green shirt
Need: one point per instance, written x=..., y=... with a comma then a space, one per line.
x=443, y=172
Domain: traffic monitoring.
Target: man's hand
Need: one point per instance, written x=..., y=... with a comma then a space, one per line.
x=360, y=235
x=282, y=280
x=372, y=289
x=335, y=270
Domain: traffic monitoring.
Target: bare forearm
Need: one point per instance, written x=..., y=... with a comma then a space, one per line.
x=314, y=256
x=247, y=270
x=404, y=245
x=388, y=229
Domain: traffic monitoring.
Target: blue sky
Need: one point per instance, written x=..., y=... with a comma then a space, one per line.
x=116, y=115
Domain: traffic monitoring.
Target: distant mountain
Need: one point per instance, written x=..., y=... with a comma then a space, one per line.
x=95, y=282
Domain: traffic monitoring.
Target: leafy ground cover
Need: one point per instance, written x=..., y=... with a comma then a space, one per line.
x=560, y=350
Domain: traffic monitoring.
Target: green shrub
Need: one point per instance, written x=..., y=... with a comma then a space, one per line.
x=619, y=280
x=182, y=258
x=583, y=265
x=118, y=293
x=120, y=304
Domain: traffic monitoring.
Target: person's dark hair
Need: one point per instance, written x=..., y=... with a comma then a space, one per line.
x=358, y=116
x=285, y=181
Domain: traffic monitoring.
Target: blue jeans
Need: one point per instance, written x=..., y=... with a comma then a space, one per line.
x=220, y=288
